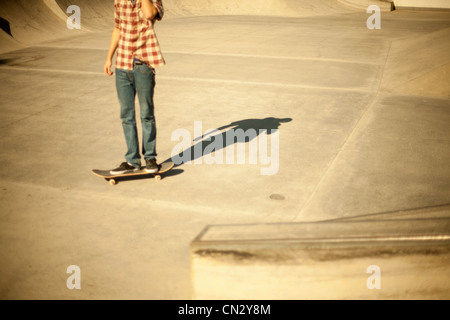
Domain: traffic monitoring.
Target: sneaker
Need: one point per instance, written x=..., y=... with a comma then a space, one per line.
x=151, y=166
x=124, y=168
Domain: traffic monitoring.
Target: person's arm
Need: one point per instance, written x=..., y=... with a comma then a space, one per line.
x=112, y=50
x=149, y=10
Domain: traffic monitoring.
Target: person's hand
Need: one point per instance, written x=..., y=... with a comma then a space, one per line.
x=107, y=68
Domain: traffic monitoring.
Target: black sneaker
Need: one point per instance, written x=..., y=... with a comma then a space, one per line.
x=151, y=166
x=124, y=168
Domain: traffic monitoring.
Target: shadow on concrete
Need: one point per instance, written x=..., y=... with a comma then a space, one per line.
x=5, y=26
x=5, y=61
x=242, y=131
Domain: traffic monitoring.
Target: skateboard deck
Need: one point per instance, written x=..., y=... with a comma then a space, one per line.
x=112, y=179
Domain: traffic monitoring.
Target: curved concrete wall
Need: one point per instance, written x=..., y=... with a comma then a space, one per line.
x=32, y=21
x=38, y=21
x=287, y=8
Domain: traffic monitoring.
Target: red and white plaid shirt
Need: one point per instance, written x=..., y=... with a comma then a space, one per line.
x=137, y=36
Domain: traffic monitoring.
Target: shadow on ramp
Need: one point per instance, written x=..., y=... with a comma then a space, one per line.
x=5, y=26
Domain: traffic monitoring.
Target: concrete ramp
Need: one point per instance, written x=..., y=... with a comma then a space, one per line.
x=99, y=13
x=7, y=43
x=38, y=21
x=419, y=66
x=32, y=22
x=286, y=8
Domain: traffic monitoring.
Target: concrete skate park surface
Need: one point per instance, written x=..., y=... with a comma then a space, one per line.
x=362, y=118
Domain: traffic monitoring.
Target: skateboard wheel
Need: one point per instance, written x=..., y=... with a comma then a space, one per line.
x=158, y=178
x=112, y=182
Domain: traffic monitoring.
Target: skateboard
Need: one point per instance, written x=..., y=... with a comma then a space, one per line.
x=112, y=179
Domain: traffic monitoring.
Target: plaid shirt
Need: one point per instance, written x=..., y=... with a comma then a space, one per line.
x=137, y=36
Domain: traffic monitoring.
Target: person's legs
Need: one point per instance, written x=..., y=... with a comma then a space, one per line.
x=145, y=85
x=125, y=85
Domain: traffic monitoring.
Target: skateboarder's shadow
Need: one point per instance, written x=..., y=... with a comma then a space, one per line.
x=255, y=126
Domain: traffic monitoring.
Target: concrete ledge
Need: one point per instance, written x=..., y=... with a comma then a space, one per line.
x=330, y=260
x=422, y=9
x=422, y=4
x=384, y=5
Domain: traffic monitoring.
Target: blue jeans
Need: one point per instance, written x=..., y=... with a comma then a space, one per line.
x=141, y=81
